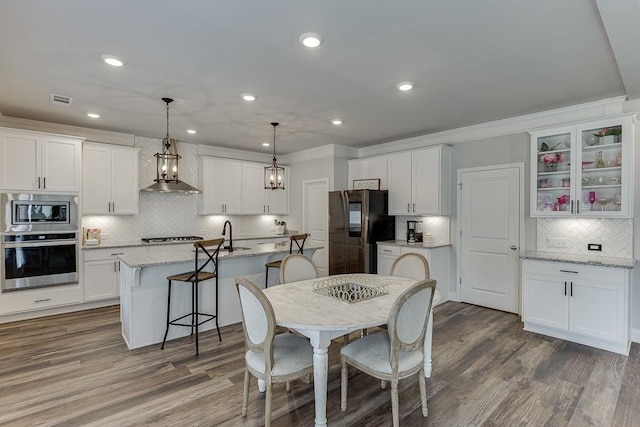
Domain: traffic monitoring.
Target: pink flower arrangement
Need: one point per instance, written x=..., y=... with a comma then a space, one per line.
x=553, y=158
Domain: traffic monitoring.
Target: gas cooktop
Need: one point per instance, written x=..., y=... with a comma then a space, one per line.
x=171, y=239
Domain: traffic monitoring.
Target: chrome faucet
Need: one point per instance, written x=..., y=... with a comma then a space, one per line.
x=224, y=229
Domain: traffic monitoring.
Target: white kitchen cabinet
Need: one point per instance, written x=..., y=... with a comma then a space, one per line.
x=255, y=199
x=110, y=180
x=369, y=168
x=40, y=298
x=439, y=259
x=33, y=161
x=577, y=172
x=418, y=181
x=220, y=181
x=585, y=304
x=101, y=278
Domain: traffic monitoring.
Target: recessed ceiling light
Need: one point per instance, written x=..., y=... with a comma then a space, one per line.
x=404, y=86
x=265, y=144
x=336, y=122
x=191, y=131
x=311, y=39
x=93, y=115
x=112, y=60
x=248, y=97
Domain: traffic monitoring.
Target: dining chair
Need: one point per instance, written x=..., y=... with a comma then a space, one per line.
x=210, y=248
x=299, y=240
x=397, y=353
x=297, y=267
x=410, y=265
x=269, y=357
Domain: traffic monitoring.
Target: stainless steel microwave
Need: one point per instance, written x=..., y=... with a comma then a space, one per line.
x=38, y=212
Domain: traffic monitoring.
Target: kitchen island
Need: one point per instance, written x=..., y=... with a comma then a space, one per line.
x=143, y=289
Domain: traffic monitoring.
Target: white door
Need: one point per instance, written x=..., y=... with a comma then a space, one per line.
x=315, y=219
x=490, y=212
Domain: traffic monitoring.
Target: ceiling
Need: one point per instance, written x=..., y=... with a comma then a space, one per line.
x=471, y=62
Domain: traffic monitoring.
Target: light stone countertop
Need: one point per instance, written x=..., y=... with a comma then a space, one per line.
x=405, y=244
x=177, y=256
x=108, y=244
x=581, y=259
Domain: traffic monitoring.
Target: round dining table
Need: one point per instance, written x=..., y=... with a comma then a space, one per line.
x=322, y=318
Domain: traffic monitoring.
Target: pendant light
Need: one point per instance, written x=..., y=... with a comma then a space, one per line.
x=274, y=174
x=167, y=166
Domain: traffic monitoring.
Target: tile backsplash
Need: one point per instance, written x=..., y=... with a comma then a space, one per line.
x=173, y=214
x=615, y=236
x=438, y=226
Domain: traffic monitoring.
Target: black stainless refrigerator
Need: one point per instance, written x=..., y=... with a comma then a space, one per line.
x=357, y=220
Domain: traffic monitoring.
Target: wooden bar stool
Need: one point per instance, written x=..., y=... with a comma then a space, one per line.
x=299, y=239
x=211, y=248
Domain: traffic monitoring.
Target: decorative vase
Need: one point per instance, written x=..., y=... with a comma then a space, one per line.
x=607, y=139
x=551, y=167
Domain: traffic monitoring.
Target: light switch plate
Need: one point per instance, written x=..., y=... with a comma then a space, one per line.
x=557, y=242
x=594, y=247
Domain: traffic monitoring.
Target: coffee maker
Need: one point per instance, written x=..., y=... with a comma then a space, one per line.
x=411, y=231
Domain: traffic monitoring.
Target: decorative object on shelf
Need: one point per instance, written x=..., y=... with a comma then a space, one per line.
x=348, y=289
x=543, y=183
x=591, y=140
x=619, y=158
x=366, y=184
x=167, y=166
x=610, y=135
x=592, y=198
x=551, y=161
x=599, y=161
x=544, y=147
x=280, y=227
x=274, y=174
x=566, y=182
x=562, y=201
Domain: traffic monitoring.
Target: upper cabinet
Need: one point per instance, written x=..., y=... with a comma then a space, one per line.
x=583, y=170
x=32, y=161
x=110, y=180
x=418, y=181
x=256, y=199
x=220, y=181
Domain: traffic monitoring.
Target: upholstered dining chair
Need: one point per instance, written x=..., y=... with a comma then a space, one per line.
x=397, y=353
x=412, y=266
x=299, y=240
x=297, y=267
x=269, y=357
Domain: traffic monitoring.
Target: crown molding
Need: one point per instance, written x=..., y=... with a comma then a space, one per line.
x=88, y=134
x=231, y=153
x=329, y=150
x=526, y=123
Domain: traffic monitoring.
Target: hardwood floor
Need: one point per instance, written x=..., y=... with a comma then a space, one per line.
x=75, y=370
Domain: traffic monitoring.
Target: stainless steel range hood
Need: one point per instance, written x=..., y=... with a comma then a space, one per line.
x=171, y=187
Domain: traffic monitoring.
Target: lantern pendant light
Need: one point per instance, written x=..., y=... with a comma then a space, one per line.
x=273, y=174
x=167, y=166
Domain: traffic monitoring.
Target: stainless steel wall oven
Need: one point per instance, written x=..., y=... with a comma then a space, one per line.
x=39, y=240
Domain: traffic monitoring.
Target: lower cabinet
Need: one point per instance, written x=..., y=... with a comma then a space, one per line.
x=37, y=299
x=584, y=304
x=439, y=260
x=100, y=277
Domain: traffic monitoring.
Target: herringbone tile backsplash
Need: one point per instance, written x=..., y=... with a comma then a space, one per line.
x=615, y=236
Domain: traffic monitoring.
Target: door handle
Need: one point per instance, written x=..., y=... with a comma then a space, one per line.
x=514, y=247
x=572, y=206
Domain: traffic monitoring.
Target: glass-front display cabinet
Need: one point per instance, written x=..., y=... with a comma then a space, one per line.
x=583, y=170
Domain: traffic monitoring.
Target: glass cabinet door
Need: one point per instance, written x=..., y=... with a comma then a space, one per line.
x=601, y=184
x=553, y=174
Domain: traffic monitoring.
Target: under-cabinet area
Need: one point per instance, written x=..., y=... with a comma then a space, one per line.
x=580, y=303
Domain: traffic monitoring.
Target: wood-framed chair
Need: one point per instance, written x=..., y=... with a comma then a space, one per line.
x=296, y=267
x=299, y=240
x=210, y=248
x=397, y=353
x=269, y=357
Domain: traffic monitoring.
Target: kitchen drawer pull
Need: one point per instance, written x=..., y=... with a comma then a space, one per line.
x=565, y=288
x=117, y=253
x=569, y=271
x=387, y=250
x=43, y=300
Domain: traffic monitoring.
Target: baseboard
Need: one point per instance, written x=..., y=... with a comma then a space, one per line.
x=635, y=335
x=14, y=317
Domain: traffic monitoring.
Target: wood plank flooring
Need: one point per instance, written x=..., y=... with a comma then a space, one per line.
x=75, y=370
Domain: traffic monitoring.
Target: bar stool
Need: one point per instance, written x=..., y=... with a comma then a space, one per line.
x=299, y=239
x=195, y=277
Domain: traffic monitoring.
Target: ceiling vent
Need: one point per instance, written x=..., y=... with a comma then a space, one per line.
x=60, y=99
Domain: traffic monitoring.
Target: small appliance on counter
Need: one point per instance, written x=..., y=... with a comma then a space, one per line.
x=414, y=231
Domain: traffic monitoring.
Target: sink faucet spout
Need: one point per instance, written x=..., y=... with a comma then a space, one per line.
x=224, y=229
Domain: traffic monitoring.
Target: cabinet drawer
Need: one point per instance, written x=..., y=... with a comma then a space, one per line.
x=567, y=270
x=388, y=250
x=112, y=253
x=35, y=299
